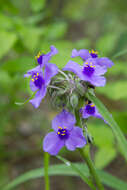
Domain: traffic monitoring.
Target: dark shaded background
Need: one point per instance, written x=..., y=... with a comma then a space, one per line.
x=28, y=26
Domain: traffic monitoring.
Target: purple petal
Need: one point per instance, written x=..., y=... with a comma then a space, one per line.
x=63, y=119
x=75, y=68
x=32, y=86
x=96, y=114
x=76, y=139
x=34, y=70
x=48, y=56
x=97, y=80
x=83, y=53
x=100, y=70
x=85, y=114
x=50, y=71
x=38, y=97
x=104, y=61
x=52, y=143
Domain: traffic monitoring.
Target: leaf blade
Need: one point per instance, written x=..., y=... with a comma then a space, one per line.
x=61, y=169
x=115, y=128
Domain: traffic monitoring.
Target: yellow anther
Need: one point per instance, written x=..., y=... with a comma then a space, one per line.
x=65, y=127
x=60, y=127
x=36, y=78
x=38, y=55
x=64, y=131
x=34, y=75
x=62, y=134
x=92, y=105
x=94, y=52
x=58, y=133
x=37, y=74
x=32, y=80
x=86, y=63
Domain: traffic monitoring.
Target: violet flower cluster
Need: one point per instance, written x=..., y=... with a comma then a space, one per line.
x=66, y=88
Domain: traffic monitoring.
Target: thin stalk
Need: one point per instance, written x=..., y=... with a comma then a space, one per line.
x=64, y=75
x=86, y=156
x=46, y=165
x=55, y=87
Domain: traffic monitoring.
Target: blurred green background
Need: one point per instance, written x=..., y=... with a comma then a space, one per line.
x=27, y=26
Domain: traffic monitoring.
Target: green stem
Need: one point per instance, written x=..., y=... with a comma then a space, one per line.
x=85, y=154
x=46, y=164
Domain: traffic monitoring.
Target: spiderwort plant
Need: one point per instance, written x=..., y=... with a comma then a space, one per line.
x=67, y=89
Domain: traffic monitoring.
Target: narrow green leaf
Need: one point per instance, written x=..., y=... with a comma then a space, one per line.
x=108, y=117
x=79, y=172
x=22, y=103
x=62, y=169
x=123, y=52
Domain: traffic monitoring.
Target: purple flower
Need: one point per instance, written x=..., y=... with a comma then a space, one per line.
x=90, y=71
x=43, y=58
x=40, y=80
x=91, y=110
x=85, y=54
x=65, y=134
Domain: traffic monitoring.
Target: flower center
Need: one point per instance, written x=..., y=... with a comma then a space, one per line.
x=63, y=133
x=90, y=109
x=38, y=80
x=39, y=58
x=88, y=69
x=94, y=54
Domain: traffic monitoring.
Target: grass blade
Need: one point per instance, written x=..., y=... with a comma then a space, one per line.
x=122, y=142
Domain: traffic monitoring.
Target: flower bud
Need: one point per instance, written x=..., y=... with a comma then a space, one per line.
x=74, y=100
x=81, y=89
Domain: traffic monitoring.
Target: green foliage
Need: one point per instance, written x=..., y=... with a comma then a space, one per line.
x=106, y=44
x=104, y=141
x=122, y=142
x=114, y=90
x=67, y=170
x=37, y=5
x=7, y=41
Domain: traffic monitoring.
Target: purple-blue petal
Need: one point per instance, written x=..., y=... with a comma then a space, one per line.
x=97, y=80
x=104, y=61
x=95, y=114
x=52, y=143
x=38, y=97
x=76, y=139
x=50, y=71
x=75, y=68
x=32, y=86
x=63, y=119
x=48, y=56
x=83, y=53
x=34, y=70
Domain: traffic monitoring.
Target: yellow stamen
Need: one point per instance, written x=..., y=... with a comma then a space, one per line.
x=60, y=127
x=58, y=133
x=32, y=80
x=92, y=105
x=37, y=74
x=62, y=134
